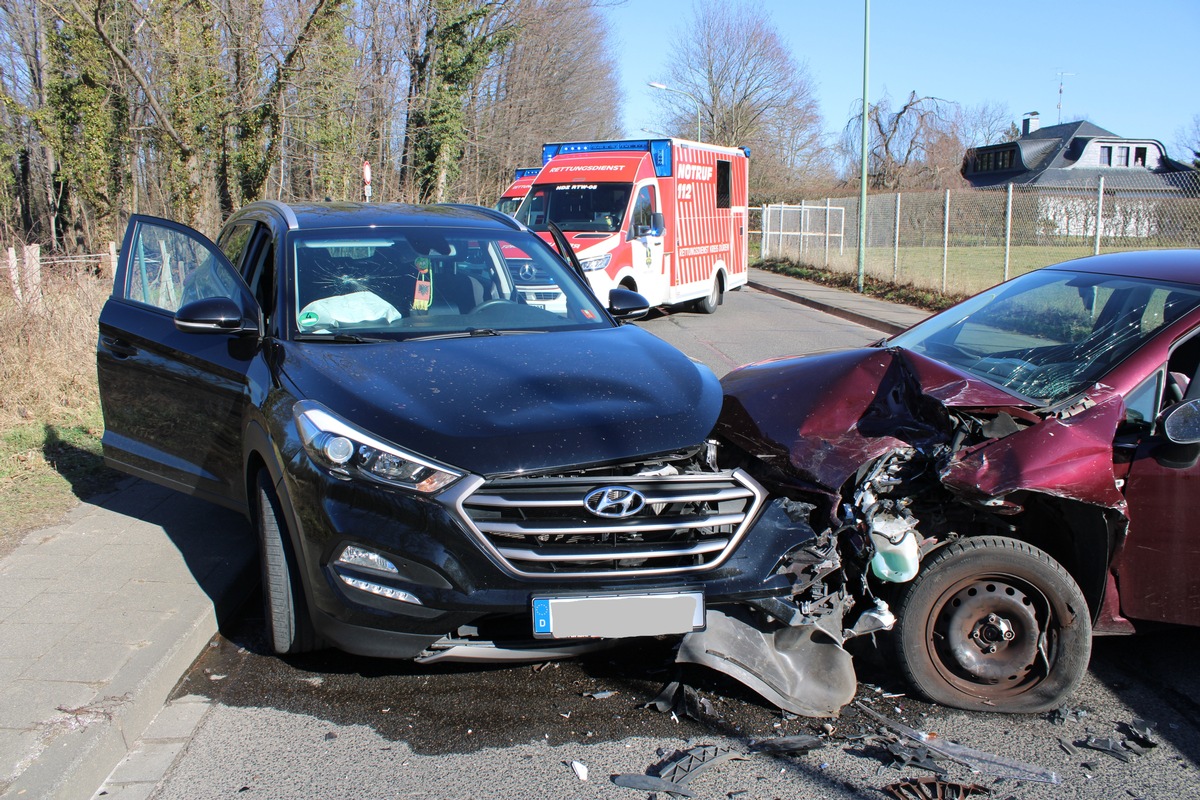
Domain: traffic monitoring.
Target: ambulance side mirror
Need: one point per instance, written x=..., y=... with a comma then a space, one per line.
x=658, y=223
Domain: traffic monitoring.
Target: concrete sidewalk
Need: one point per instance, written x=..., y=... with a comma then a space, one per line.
x=889, y=318
x=102, y=614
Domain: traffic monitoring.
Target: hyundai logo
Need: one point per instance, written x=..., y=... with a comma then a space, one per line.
x=527, y=272
x=614, y=502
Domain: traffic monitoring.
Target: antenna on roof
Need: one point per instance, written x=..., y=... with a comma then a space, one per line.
x=1061, y=75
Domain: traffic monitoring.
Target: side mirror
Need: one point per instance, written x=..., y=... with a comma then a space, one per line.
x=658, y=223
x=642, y=230
x=1181, y=422
x=627, y=306
x=214, y=315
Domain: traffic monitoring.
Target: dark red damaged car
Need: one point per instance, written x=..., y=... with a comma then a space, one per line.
x=1006, y=479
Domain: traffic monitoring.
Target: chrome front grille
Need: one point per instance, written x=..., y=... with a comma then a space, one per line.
x=541, y=527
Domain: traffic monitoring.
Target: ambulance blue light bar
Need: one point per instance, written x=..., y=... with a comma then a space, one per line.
x=659, y=150
x=526, y=172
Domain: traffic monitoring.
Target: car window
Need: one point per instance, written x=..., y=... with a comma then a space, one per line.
x=169, y=268
x=1049, y=334
x=234, y=241
x=577, y=206
x=411, y=282
x=643, y=209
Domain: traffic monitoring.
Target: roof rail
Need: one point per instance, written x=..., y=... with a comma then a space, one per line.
x=498, y=216
x=283, y=209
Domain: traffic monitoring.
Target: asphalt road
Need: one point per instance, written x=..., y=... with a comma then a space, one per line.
x=330, y=725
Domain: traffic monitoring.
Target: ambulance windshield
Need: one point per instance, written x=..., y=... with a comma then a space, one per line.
x=576, y=206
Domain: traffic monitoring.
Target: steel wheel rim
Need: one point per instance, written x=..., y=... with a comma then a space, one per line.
x=992, y=636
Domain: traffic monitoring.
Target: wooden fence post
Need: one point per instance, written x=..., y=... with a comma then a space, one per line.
x=112, y=261
x=31, y=276
x=14, y=273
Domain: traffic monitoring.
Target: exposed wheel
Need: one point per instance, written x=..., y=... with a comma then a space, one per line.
x=288, y=626
x=993, y=624
x=708, y=305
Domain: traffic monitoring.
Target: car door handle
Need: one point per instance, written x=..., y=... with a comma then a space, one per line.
x=119, y=347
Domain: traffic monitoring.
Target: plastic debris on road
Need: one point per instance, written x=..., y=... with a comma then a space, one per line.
x=681, y=766
x=788, y=745
x=933, y=789
x=975, y=760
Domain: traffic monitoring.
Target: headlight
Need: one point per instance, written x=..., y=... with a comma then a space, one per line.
x=348, y=451
x=593, y=264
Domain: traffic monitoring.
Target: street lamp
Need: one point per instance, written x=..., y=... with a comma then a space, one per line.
x=666, y=88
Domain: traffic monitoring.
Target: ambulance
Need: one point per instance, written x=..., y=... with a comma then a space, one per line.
x=663, y=217
x=516, y=191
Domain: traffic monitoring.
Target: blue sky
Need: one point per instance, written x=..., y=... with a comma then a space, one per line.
x=1134, y=61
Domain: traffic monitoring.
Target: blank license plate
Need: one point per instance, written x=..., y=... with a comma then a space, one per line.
x=617, y=616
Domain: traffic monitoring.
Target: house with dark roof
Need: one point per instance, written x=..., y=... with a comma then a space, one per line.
x=1074, y=154
x=1081, y=172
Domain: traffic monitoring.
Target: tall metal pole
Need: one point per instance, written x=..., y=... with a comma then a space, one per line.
x=862, y=197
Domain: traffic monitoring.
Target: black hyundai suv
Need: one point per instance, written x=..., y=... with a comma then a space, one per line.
x=437, y=467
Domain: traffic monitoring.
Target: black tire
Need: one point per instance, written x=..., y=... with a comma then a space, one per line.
x=993, y=624
x=708, y=305
x=289, y=629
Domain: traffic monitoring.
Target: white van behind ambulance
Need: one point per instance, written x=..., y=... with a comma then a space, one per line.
x=663, y=217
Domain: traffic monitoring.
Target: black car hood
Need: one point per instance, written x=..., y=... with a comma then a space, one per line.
x=517, y=402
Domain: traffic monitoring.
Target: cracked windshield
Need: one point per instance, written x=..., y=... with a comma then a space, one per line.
x=1050, y=334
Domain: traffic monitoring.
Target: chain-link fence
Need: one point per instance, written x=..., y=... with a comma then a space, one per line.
x=962, y=241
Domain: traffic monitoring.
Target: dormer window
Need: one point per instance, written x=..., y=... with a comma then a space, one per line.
x=994, y=160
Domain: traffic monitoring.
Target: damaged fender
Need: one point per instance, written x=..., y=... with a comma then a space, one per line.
x=864, y=434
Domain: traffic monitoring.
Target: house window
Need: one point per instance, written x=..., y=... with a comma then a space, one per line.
x=1122, y=156
x=994, y=161
x=1139, y=156
x=1106, y=156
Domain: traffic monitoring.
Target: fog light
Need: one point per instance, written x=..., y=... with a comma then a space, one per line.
x=361, y=557
x=382, y=591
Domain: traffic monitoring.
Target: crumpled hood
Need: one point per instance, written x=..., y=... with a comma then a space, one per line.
x=819, y=418
x=518, y=402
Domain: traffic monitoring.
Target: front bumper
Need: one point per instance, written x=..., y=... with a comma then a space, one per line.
x=450, y=578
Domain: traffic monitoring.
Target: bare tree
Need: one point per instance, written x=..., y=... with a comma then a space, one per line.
x=917, y=145
x=983, y=124
x=1187, y=142
x=554, y=81
x=750, y=92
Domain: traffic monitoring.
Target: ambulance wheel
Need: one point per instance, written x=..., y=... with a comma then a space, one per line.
x=708, y=305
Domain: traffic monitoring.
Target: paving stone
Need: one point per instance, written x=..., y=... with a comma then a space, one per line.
x=28, y=704
x=81, y=662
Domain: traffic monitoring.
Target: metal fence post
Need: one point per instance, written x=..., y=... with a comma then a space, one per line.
x=945, y=239
x=1099, y=215
x=1007, y=229
x=803, y=229
x=762, y=235
x=827, y=212
x=896, y=244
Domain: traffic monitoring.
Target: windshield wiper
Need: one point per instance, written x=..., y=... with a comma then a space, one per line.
x=337, y=338
x=470, y=332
